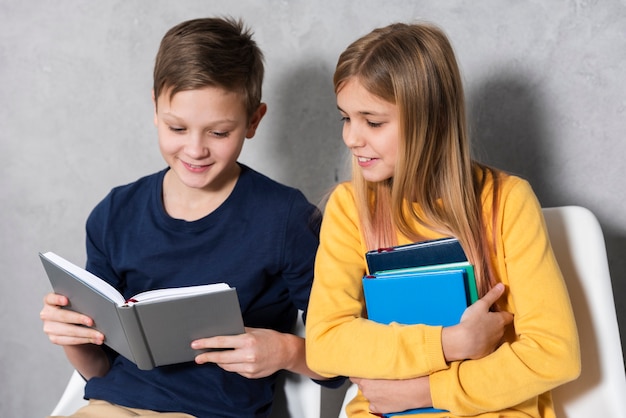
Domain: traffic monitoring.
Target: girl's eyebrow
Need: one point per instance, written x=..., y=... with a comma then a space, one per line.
x=363, y=112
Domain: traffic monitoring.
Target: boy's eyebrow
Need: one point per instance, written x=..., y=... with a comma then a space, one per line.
x=172, y=115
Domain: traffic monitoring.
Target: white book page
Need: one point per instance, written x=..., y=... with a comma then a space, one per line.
x=177, y=292
x=86, y=277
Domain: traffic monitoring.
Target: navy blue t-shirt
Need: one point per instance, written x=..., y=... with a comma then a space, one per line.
x=261, y=240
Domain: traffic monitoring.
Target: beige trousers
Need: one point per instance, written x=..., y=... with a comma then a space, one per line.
x=103, y=409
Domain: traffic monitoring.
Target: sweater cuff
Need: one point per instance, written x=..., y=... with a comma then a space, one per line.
x=442, y=392
x=434, y=348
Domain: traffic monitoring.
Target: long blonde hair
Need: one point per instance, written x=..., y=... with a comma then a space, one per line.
x=435, y=183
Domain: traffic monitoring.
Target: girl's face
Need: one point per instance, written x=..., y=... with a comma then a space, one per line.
x=201, y=133
x=370, y=130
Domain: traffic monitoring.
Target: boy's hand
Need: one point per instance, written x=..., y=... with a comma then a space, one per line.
x=255, y=354
x=480, y=331
x=65, y=327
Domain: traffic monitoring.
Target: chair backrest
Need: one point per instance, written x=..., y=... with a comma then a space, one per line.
x=72, y=397
x=578, y=244
x=296, y=396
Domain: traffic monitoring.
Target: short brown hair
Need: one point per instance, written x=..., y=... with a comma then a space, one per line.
x=210, y=52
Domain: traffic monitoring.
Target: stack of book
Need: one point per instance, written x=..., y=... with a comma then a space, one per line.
x=428, y=282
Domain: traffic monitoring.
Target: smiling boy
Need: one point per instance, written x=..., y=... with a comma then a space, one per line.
x=205, y=218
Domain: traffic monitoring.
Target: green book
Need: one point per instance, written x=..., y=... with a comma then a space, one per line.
x=472, y=290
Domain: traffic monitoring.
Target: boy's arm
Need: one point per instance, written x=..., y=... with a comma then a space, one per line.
x=257, y=353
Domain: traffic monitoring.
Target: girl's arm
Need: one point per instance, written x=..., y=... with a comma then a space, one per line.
x=387, y=396
x=543, y=350
x=341, y=341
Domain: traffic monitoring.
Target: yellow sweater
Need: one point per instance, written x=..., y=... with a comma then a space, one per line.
x=513, y=381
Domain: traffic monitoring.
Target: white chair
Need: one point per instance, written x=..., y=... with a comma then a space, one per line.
x=578, y=244
x=296, y=396
x=72, y=398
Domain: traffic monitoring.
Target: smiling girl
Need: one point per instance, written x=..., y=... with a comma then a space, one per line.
x=400, y=97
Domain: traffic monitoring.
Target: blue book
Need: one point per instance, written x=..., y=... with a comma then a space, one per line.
x=426, y=297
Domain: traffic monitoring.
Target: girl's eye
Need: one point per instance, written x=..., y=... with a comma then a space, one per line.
x=176, y=129
x=374, y=124
x=344, y=119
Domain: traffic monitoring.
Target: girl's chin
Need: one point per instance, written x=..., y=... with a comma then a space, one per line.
x=375, y=177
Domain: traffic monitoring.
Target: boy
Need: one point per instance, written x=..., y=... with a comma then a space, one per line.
x=206, y=218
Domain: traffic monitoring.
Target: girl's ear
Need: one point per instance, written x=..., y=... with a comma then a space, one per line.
x=255, y=120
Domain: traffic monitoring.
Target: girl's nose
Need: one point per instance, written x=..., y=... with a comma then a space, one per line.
x=352, y=137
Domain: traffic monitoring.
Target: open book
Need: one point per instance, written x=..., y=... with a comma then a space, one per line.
x=153, y=328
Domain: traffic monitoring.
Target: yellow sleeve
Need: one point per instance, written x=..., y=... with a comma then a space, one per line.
x=543, y=350
x=339, y=340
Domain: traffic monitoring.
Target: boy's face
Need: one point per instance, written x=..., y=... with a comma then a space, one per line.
x=201, y=133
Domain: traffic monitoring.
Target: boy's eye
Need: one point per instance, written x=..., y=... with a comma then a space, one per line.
x=176, y=129
x=344, y=119
x=220, y=134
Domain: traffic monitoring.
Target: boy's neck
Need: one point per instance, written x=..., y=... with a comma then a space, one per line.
x=191, y=204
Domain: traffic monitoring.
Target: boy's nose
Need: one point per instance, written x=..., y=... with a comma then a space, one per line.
x=196, y=147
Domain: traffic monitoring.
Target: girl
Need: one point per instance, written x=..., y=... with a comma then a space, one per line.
x=400, y=97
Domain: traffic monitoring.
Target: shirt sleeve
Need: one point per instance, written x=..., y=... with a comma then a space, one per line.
x=302, y=239
x=299, y=247
x=543, y=350
x=97, y=228
x=340, y=340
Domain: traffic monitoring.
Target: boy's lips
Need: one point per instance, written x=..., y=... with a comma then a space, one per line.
x=195, y=167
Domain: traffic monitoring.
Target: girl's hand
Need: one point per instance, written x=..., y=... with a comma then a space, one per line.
x=65, y=327
x=387, y=396
x=480, y=331
x=255, y=354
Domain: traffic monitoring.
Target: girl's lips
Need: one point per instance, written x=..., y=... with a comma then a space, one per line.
x=366, y=161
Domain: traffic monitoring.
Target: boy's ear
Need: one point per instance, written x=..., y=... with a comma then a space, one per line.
x=255, y=120
x=154, y=103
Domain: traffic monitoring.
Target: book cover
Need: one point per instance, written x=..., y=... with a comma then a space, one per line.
x=154, y=328
x=424, y=253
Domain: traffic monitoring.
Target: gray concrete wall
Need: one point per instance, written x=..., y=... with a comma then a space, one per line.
x=545, y=88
